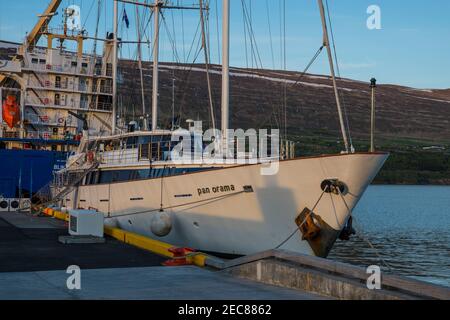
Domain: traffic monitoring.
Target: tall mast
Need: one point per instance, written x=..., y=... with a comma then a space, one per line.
x=96, y=27
x=138, y=28
x=225, y=70
x=115, y=49
x=155, y=67
x=326, y=43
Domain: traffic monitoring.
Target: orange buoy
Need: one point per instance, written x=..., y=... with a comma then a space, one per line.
x=11, y=112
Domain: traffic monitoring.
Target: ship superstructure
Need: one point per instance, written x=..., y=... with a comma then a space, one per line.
x=50, y=97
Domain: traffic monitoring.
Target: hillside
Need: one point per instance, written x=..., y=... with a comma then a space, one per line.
x=257, y=100
x=411, y=123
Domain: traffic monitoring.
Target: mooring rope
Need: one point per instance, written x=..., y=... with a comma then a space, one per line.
x=364, y=238
x=304, y=221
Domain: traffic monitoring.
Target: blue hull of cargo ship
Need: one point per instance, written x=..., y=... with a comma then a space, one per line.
x=24, y=172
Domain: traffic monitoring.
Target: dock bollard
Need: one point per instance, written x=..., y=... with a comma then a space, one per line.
x=180, y=257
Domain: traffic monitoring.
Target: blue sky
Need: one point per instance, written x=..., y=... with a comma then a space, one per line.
x=412, y=48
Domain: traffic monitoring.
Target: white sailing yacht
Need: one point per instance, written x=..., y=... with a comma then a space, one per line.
x=223, y=207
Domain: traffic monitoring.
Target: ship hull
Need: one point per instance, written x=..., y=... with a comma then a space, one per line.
x=24, y=172
x=210, y=211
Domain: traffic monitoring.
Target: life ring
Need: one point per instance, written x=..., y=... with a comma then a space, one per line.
x=90, y=156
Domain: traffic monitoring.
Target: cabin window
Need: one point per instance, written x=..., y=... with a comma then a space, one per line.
x=131, y=142
x=105, y=177
x=58, y=82
x=42, y=61
x=34, y=60
x=109, y=70
x=98, y=69
x=57, y=99
x=74, y=63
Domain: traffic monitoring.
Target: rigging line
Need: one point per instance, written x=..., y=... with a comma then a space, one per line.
x=304, y=221
x=245, y=36
x=285, y=69
x=183, y=37
x=254, y=47
x=250, y=22
x=205, y=201
x=270, y=34
x=171, y=40
x=217, y=32
x=350, y=211
x=316, y=55
x=341, y=94
x=162, y=190
x=185, y=82
x=183, y=99
x=89, y=13
x=208, y=78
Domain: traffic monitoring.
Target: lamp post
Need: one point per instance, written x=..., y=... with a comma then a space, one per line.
x=373, y=85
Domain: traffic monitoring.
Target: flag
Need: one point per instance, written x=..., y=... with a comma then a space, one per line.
x=125, y=19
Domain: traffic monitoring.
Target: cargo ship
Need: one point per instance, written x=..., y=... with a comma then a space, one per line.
x=49, y=97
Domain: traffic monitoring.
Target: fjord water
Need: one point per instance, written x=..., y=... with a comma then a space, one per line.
x=409, y=227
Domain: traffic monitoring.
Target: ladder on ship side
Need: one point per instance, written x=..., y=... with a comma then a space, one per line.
x=63, y=184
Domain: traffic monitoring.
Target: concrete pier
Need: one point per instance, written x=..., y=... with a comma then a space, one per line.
x=34, y=264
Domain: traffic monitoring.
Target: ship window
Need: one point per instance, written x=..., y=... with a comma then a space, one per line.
x=84, y=65
x=42, y=61
x=105, y=177
x=58, y=82
x=57, y=99
x=74, y=63
x=109, y=70
x=144, y=151
x=34, y=60
x=131, y=142
x=121, y=175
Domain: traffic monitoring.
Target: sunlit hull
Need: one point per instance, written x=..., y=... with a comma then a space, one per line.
x=210, y=212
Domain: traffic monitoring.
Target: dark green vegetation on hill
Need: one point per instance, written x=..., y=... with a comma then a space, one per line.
x=409, y=163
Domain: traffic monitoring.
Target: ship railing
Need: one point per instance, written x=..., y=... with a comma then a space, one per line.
x=118, y=157
x=66, y=69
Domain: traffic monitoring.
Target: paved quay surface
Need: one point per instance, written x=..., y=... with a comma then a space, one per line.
x=28, y=243
x=157, y=283
x=33, y=266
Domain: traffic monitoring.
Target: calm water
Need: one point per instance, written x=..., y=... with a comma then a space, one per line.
x=409, y=227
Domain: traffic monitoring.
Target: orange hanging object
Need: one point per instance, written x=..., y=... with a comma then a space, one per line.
x=11, y=112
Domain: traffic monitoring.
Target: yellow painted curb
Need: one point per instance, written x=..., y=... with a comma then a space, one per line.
x=157, y=247
x=139, y=241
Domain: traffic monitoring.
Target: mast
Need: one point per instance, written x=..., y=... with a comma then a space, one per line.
x=225, y=70
x=96, y=27
x=155, y=67
x=326, y=43
x=115, y=49
x=138, y=23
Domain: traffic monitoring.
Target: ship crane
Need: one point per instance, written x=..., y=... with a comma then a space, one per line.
x=36, y=33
